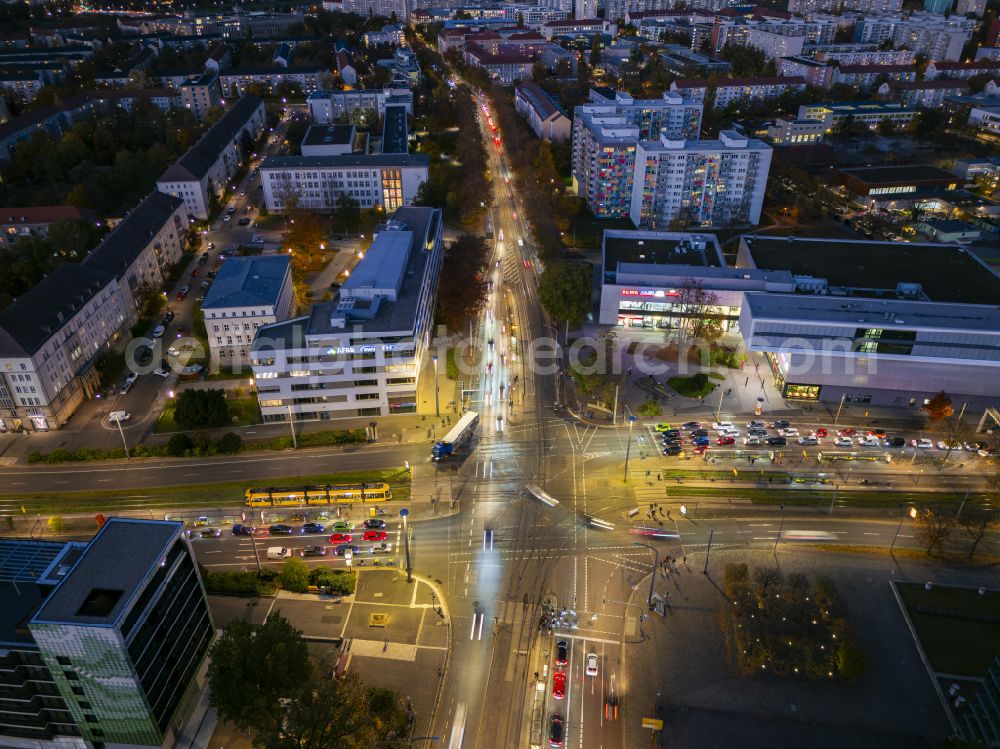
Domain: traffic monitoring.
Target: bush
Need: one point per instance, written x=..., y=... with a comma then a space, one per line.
x=649, y=408
x=202, y=442
x=340, y=582
x=294, y=575
x=240, y=583
x=201, y=408
x=851, y=661
x=697, y=385
x=178, y=445
x=56, y=524
x=229, y=443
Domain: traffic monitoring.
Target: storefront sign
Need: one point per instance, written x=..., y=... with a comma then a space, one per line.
x=366, y=349
x=650, y=293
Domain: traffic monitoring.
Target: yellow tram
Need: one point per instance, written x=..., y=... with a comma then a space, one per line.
x=317, y=495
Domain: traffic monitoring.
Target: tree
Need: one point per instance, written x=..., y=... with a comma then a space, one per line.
x=464, y=289
x=698, y=312
x=201, y=408
x=976, y=523
x=306, y=231
x=939, y=407
x=294, y=575
x=595, y=50
x=886, y=127
x=564, y=290
x=927, y=123
x=934, y=527
x=342, y=713
x=346, y=214
x=253, y=667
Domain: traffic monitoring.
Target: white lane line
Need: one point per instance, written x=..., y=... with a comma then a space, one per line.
x=866, y=533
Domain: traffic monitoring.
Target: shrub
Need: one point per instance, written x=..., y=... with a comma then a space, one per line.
x=56, y=524
x=736, y=577
x=649, y=408
x=851, y=661
x=229, y=443
x=178, y=445
x=294, y=575
x=340, y=582
x=203, y=444
x=239, y=583
x=201, y=408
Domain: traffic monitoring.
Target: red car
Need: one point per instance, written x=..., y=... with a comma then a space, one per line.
x=846, y=432
x=194, y=273
x=559, y=685
x=880, y=433
x=821, y=432
x=701, y=449
x=726, y=440
x=181, y=294
x=341, y=538
x=375, y=536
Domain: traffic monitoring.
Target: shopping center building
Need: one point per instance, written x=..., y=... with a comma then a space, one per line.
x=885, y=323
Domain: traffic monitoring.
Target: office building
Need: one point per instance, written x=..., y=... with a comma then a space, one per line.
x=544, y=116
x=209, y=163
x=880, y=323
x=123, y=643
x=789, y=131
x=386, y=181
x=605, y=134
x=706, y=183
x=326, y=107
x=248, y=293
x=896, y=186
x=365, y=352
x=201, y=94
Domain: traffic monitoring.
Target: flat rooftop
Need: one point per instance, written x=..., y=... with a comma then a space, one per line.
x=395, y=136
x=100, y=586
x=864, y=312
x=945, y=272
x=700, y=250
x=325, y=135
x=28, y=569
x=900, y=174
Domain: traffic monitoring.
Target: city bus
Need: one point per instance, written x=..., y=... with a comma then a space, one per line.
x=317, y=495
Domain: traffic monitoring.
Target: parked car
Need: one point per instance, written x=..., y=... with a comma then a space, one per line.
x=923, y=443
x=900, y=442
x=280, y=529
x=158, y=331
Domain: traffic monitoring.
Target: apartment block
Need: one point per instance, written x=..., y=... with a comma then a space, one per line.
x=326, y=107
x=201, y=94
x=868, y=77
x=34, y=221
x=209, y=163
x=732, y=90
x=923, y=94
x=708, y=183
x=544, y=116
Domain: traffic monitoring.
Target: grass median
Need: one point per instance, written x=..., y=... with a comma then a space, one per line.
x=191, y=496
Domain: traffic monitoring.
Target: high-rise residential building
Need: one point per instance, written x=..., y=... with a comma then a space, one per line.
x=937, y=6
x=364, y=353
x=708, y=182
x=617, y=9
x=583, y=9
x=970, y=7
x=99, y=652
x=867, y=7
x=605, y=133
x=385, y=8
x=929, y=34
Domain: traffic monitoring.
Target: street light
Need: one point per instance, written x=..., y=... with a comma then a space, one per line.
x=437, y=403
x=913, y=514
x=404, y=513
x=628, y=445
x=652, y=578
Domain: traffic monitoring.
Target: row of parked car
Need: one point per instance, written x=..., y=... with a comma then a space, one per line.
x=779, y=432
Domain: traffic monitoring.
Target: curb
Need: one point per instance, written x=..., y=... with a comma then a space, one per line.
x=447, y=655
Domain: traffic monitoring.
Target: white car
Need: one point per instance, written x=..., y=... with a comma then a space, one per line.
x=227, y=218
x=808, y=440
x=723, y=426
x=591, y=664
x=869, y=441
x=173, y=351
x=922, y=444
x=161, y=372
x=117, y=416
x=382, y=548
x=843, y=442
x=790, y=432
x=158, y=331
x=731, y=432
x=753, y=441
